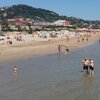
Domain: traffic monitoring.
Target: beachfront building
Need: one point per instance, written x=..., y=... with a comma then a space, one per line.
x=20, y=21
x=23, y=21
x=62, y=23
x=43, y=23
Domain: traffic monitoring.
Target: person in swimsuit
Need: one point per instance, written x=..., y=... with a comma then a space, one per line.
x=67, y=49
x=85, y=63
x=91, y=65
x=15, y=72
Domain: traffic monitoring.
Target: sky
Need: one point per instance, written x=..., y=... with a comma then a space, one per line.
x=84, y=9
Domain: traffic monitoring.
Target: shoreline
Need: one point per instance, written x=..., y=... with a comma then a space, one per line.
x=30, y=49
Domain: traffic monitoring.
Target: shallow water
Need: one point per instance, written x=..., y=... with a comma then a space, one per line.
x=52, y=77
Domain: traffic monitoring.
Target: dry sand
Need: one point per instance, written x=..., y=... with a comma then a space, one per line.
x=32, y=48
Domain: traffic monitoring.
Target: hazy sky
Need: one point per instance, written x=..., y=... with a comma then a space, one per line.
x=85, y=9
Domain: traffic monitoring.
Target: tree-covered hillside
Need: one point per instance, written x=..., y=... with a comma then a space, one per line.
x=38, y=14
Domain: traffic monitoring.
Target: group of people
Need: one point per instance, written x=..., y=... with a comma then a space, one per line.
x=60, y=48
x=88, y=66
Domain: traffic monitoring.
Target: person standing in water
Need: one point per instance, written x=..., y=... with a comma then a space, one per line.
x=91, y=65
x=85, y=63
x=15, y=72
x=67, y=49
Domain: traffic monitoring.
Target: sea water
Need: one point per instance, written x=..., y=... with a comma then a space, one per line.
x=52, y=77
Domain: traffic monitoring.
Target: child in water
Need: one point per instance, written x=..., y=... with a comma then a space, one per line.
x=91, y=65
x=15, y=72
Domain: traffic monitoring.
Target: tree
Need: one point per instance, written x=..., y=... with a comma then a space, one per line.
x=30, y=29
x=19, y=28
x=4, y=25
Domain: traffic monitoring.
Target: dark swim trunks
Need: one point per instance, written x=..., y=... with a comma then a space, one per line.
x=92, y=68
x=84, y=67
x=67, y=50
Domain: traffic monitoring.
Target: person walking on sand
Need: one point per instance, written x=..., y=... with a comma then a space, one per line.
x=59, y=48
x=82, y=39
x=67, y=38
x=91, y=65
x=78, y=39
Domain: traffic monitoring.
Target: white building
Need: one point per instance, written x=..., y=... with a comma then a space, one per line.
x=62, y=22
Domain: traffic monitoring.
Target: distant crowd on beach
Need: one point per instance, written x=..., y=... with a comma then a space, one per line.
x=88, y=66
x=84, y=37
x=80, y=38
x=17, y=37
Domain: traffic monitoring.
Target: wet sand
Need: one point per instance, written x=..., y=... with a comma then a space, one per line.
x=32, y=48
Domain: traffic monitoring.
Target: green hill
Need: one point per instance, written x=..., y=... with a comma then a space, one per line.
x=30, y=12
x=38, y=14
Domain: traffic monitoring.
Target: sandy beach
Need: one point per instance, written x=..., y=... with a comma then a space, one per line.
x=49, y=77
x=29, y=49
